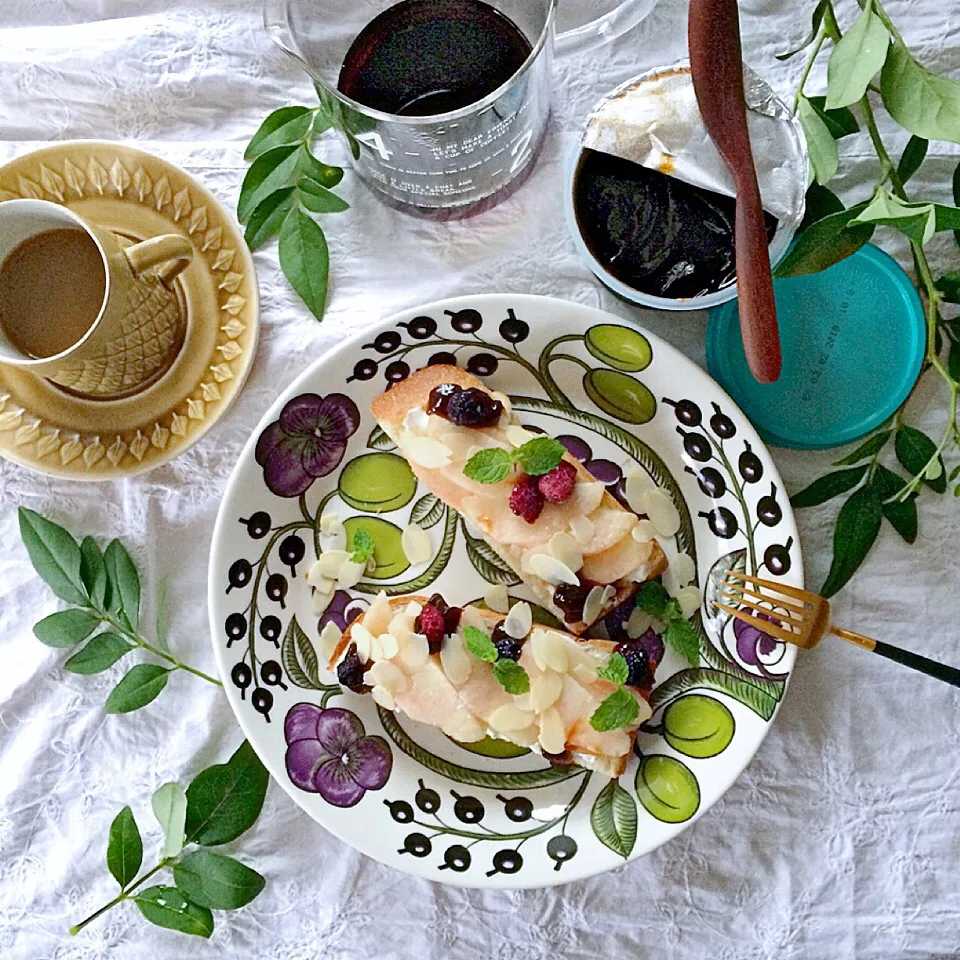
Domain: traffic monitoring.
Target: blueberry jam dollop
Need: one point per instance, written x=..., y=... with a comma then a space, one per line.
x=464, y=408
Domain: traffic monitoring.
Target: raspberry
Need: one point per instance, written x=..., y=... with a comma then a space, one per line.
x=473, y=408
x=430, y=624
x=557, y=485
x=526, y=500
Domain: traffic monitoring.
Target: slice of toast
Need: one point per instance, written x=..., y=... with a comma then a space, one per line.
x=611, y=557
x=461, y=696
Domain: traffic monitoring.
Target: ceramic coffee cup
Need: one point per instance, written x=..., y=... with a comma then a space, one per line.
x=140, y=326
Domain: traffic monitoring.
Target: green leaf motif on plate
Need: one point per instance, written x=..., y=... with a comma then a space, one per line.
x=213, y=880
x=378, y=440
x=168, y=907
x=756, y=694
x=299, y=658
x=614, y=819
x=427, y=511
x=55, y=555
x=124, y=847
x=487, y=562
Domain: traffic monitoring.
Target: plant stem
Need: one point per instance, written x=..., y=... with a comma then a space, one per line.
x=806, y=70
x=121, y=896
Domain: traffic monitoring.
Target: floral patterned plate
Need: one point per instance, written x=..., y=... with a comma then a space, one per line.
x=489, y=814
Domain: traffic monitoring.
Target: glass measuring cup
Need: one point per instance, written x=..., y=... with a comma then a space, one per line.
x=449, y=164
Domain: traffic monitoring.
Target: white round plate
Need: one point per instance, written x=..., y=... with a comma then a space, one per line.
x=401, y=792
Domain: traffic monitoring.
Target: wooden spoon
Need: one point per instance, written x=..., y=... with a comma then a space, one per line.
x=716, y=64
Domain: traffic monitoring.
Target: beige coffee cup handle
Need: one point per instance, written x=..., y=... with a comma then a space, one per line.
x=171, y=252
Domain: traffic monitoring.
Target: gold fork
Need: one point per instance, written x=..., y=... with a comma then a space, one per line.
x=805, y=618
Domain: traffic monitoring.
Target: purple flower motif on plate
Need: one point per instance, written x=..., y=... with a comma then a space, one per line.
x=343, y=610
x=329, y=753
x=753, y=645
x=307, y=441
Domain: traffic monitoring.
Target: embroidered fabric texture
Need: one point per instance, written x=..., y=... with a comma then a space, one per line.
x=841, y=839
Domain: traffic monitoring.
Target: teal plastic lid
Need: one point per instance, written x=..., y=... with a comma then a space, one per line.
x=853, y=340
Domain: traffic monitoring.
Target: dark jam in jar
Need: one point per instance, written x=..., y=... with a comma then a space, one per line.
x=655, y=233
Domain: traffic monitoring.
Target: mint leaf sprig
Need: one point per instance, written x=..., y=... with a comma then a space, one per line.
x=620, y=708
x=536, y=457
x=679, y=633
x=508, y=673
x=104, y=592
x=869, y=62
x=220, y=804
x=285, y=184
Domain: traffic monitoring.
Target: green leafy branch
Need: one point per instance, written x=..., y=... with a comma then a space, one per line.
x=104, y=592
x=220, y=804
x=927, y=105
x=285, y=184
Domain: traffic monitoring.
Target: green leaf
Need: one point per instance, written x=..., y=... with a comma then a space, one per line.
x=321, y=122
x=812, y=35
x=949, y=286
x=161, y=620
x=54, y=554
x=124, y=848
x=489, y=466
x=827, y=487
x=169, y=804
x=379, y=440
x=840, y=122
x=616, y=669
x=270, y=172
x=93, y=573
x=225, y=800
x=299, y=657
x=313, y=169
x=683, y=637
x=760, y=699
x=213, y=880
x=539, y=455
x=826, y=242
x=925, y=103
x=479, y=644
x=856, y=59
x=511, y=676
x=914, y=451
x=124, y=582
x=318, y=199
x=820, y=203
x=139, y=686
x=956, y=197
x=916, y=220
x=66, y=628
x=953, y=360
x=266, y=220
x=614, y=819
x=857, y=527
x=618, y=710
x=821, y=146
x=101, y=653
x=867, y=449
x=305, y=260
x=281, y=128
x=902, y=515
x=912, y=157
x=427, y=511
x=652, y=597
x=364, y=546
x=168, y=907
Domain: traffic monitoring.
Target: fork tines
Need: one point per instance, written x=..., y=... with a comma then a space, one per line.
x=787, y=615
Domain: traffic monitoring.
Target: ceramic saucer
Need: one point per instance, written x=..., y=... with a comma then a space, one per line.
x=136, y=195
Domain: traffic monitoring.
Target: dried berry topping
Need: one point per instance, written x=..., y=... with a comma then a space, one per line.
x=639, y=664
x=526, y=500
x=437, y=601
x=508, y=648
x=570, y=600
x=350, y=671
x=430, y=624
x=451, y=620
x=473, y=408
x=440, y=397
x=564, y=759
x=558, y=485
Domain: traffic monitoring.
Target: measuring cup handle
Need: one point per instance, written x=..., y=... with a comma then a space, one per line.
x=601, y=31
x=277, y=25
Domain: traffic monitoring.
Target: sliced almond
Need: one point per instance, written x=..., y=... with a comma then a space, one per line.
x=582, y=529
x=505, y=403
x=538, y=648
x=587, y=496
x=362, y=637
x=412, y=609
x=528, y=555
x=378, y=615
x=458, y=442
x=427, y=452
x=350, y=574
x=685, y=568
x=639, y=623
x=518, y=621
x=644, y=554
x=463, y=727
x=383, y=697
x=527, y=737
x=472, y=617
x=518, y=435
x=376, y=648
x=414, y=650
x=593, y=604
x=401, y=625
x=320, y=600
x=332, y=534
x=547, y=567
x=689, y=599
x=508, y=717
x=416, y=544
x=316, y=577
x=585, y=673
x=553, y=735
x=662, y=513
x=328, y=564
x=545, y=690
x=496, y=598
x=638, y=483
x=644, y=531
x=329, y=640
x=566, y=550
x=524, y=701
x=456, y=661
x=329, y=523
x=389, y=676
x=389, y=646
x=417, y=420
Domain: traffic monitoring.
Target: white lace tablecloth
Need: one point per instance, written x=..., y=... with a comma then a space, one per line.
x=842, y=838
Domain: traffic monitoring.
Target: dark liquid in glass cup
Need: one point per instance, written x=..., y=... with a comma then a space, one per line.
x=420, y=58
